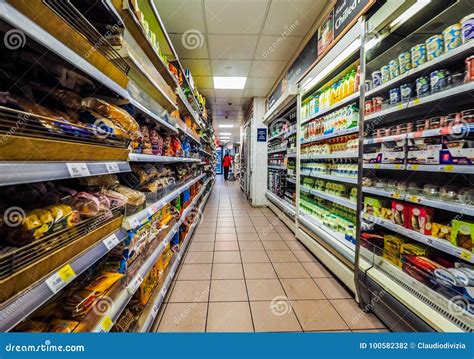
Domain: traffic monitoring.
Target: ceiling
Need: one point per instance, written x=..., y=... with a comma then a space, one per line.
x=251, y=38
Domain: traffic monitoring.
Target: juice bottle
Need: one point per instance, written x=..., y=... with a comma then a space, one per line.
x=357, y=80
x=352, y=79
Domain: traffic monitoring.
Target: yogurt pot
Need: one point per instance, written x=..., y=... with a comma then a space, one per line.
x=385, y=71
x=377, y=78
x=394, y=69
x=434, y=47
x=423, y=86
x=406, y=92
x=404, y=60
x=418, y=55
x=467, y=24
x=395, y=96
x=452, y=37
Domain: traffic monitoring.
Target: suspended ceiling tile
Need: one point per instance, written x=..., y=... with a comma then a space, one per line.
x=228, y=93
x=232, y=47
x=292, y=17
x=227, y=108
x=226, y=100
x=260, y=82
x=230, y=67
x=274, y=48
x=235, y=17
x=187, y=49
x=209, y=93
x=204, y=82
x=256, y=92
x=198, y=67
x=180, y=16
x=222, y=112
x=263, y=68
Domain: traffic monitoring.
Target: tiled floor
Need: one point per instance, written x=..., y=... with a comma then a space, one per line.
x=245, y=271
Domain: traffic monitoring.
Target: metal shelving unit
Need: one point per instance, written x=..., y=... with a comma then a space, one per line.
x=330, y=156
x=26, y=302
x=123, y=298
x=336, y=199
x=12, y=173
x=135, y=220
x=138, y=157
x=346, y=101
x=348, y=131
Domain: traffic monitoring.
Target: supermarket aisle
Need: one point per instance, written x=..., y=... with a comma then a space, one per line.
x=245, y=271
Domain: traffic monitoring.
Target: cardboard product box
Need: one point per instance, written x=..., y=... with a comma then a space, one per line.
x=400, y=213
x=373, y=206
x=424, y=151
x=393, y=152
x=457, y=152
x=420, y=219
x=372, y=157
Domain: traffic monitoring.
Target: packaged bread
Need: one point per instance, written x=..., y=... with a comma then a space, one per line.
x=134, y=198
x=86, y=204
x=99, y=181
x=116, y=199
x=62, y=326
x=112, y=112
x=103, y=282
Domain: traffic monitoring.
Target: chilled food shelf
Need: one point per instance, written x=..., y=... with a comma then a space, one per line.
x=276, y=136
x=187, y=106
x=282, y=204
x=12, y=173
x=437, y=243
x=24, y=303
x=352, y=180
x=291, y=180
x=123, y=298
x=288, y=134
x=152, y=115
x=187, y=131
x=456, y=207
x=276, y=167
x=458, y=53
x=138, y=157
x=331, y=135
x=335, y=239
x=442, y=168
x=384, y=166
x=345, y=101
x=137, y=219
x=330, y=156
x=278, y=150
x=336, y=199
x=205, y=152
x=144, y=325
x=389, y=113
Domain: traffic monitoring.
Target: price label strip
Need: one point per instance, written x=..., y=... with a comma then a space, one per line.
x=111, y=241
x=78, y=169
x=134, y=284
x=61, y=278
x=112, y=167
x=106, y=325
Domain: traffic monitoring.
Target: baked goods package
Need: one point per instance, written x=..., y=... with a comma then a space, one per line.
x=400, y=213
x=136, y=200
x=420, y=219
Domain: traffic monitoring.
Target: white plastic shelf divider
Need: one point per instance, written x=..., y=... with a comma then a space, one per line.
x=276, y=167
x=346, y=101
x=282, y=204
x=336, y=199
x=151, y=114
x=23, y=304
x=458, y=53
x=139, y=157
x=331, y=135
x=456, y=207
x=383, y=166
x=152, y=313
x=127, y=293
x=330, y=156
x=12, y=173
x=335, y=239
x=438, y=96
x=437, y=243
x=276, y=151
x=442, y=168
x=135, y=220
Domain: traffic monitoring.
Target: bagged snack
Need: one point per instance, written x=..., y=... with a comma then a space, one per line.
x=134, y=198
x=104, y=202
x=116, y=199
x=420, y=268
x=415, y=249
x=114, y=113
x=103, y=282
x=146, y=144
x=156, y=143
x=99, y=181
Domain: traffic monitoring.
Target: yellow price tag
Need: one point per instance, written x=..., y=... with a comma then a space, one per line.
x=466, y=255
x=107, y=323
x=396, y=195
x=377, y=165
x=416, y=101
x=415, y=167
x=66, y=273
x=413, y=199
x=398, y=167
x=449, y=168
x=400, y=107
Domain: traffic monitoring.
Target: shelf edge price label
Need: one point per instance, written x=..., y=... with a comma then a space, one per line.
x=377, y=165
x=134, y=222
x=105, y=325
x=448, y=168
x=111, y=241
x=414, y=199
x=398, y=166
x=61, y=278
x=466, y=255
x=112, y=167
x=416, y=101
x=134, y=284
x=396, y=195
x=78, y=169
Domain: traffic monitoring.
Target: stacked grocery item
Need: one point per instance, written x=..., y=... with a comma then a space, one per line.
x=336, y=168
x=330, y=187
x=338, y=121
x=341, y=145
x=330, y=94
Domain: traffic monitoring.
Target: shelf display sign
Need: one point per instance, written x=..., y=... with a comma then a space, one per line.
x=326, y=33
x=261, y=135
x=346, y=12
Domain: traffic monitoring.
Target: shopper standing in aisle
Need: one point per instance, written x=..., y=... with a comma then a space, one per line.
x=226, y=163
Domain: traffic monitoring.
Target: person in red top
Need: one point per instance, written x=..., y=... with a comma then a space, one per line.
x=226, y=163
